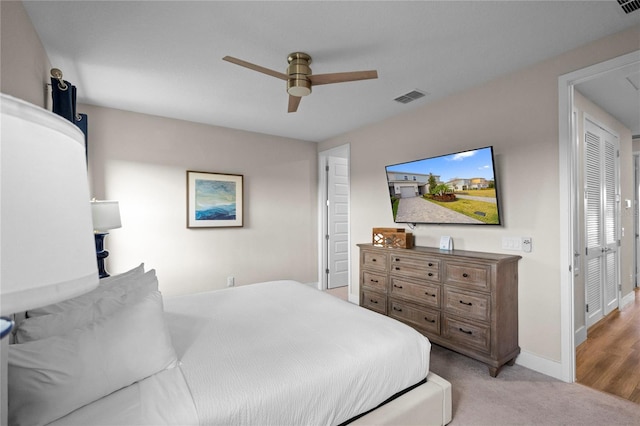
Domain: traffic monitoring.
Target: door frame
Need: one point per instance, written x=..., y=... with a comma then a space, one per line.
x=636, y=215
x=567, y=192
x=343, y=151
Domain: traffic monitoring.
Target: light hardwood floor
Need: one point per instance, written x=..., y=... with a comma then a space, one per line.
x=609, y=360
x=340, y=292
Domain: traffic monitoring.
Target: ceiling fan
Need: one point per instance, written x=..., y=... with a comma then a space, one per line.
x=299, y=77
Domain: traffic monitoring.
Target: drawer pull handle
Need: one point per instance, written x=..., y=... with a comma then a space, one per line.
x=373, y=260
x=373, y=281
x=430, y=264
x=430, y=294
x=373, y=301
x=397, y=268
x=429, y=320
x=465, y=331
x=430, y=274
x=397, y=309
x=397, y=286
x=466, y=303
x=465, y=275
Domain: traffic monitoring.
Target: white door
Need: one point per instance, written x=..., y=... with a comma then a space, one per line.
x=338, y=222
x=602, y=191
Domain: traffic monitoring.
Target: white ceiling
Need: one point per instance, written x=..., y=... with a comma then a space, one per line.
x=165, y=57
x=617, y=92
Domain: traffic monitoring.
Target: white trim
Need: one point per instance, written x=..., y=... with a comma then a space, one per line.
x=567, y=192
x=541, y=364
x=627, y=300
x=581, y=336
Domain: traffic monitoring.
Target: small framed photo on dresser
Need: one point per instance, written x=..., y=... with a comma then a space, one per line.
x=214, y=200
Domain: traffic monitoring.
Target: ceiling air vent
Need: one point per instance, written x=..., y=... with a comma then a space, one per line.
x=410, y=97
x=629, y=5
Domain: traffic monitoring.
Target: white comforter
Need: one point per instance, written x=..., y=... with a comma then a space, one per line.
x=276, y=353
x=283, y=353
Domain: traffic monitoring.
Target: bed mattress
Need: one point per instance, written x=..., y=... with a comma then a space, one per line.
x=283, y=353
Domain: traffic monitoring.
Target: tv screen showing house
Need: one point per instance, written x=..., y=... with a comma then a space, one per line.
x=458, y=188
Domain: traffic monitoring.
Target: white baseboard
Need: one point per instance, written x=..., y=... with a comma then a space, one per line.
x=540, y=364
x=627, y=300
x=580, y=335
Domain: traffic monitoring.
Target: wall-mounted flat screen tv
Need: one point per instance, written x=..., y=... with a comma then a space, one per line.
x=454, y=189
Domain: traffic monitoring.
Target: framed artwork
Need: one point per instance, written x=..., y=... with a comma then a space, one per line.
x=214, y=200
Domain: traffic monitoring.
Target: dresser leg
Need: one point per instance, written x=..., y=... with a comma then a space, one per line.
x=511, y=362
x=493, y=371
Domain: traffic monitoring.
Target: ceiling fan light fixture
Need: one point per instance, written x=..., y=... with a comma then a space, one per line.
x=299, y=77
x=298, y=84
x=298, y=87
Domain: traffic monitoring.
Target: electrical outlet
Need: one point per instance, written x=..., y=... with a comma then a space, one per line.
x=527, y=244
x=231, y=281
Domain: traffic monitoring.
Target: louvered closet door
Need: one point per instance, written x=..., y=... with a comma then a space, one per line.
x=601, y=219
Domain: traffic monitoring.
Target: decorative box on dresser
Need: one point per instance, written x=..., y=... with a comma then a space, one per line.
x=463, y=300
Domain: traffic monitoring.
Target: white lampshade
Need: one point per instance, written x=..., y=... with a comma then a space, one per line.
x=47, y=246
x=106, y=215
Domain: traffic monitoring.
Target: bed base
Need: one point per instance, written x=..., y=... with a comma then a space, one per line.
x=427, y=404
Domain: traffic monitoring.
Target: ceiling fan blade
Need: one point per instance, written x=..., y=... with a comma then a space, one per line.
x=341, y=77
x=255, y=67
x=294, y=101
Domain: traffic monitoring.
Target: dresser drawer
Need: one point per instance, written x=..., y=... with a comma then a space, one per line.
x=374, y=260
x=469, y=276
x=467, y=304
x=424, y=293
x=419, y=317
x=373, y=280
x=471, y=335
x=374, y=301
x=427, y=269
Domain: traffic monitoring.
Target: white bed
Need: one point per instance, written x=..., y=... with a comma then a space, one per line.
x=273, y=353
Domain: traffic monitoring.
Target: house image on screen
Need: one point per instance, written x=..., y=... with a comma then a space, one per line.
x=406, y=185
x=459, y=184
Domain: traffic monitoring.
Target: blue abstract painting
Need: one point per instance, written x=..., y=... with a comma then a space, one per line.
x=215, y=200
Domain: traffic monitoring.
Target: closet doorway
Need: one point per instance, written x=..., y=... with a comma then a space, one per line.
x=334, y=187
x=572, y=249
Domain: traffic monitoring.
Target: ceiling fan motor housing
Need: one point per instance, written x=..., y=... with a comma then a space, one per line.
x=298, y=70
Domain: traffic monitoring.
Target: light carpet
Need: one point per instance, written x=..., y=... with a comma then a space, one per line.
x=520, y=396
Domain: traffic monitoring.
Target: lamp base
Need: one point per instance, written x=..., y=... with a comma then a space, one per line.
x=6, y=324
x=101, y=253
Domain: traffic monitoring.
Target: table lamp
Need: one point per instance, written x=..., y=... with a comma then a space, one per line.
x=46, y=251
x=46, y=245
x=106, y=216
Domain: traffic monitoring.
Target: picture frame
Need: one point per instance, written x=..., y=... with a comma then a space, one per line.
x=214, y=200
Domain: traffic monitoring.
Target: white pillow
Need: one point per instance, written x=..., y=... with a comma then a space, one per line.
x=51, y=377
x=110, y=300
x=138, y=270
x=116, y=284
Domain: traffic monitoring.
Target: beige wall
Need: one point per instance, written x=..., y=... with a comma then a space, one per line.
x=518, y=115
x=141, y=161
x=24, y=65
x=584, y=106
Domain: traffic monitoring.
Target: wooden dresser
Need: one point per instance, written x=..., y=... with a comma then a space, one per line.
x=463, y=300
